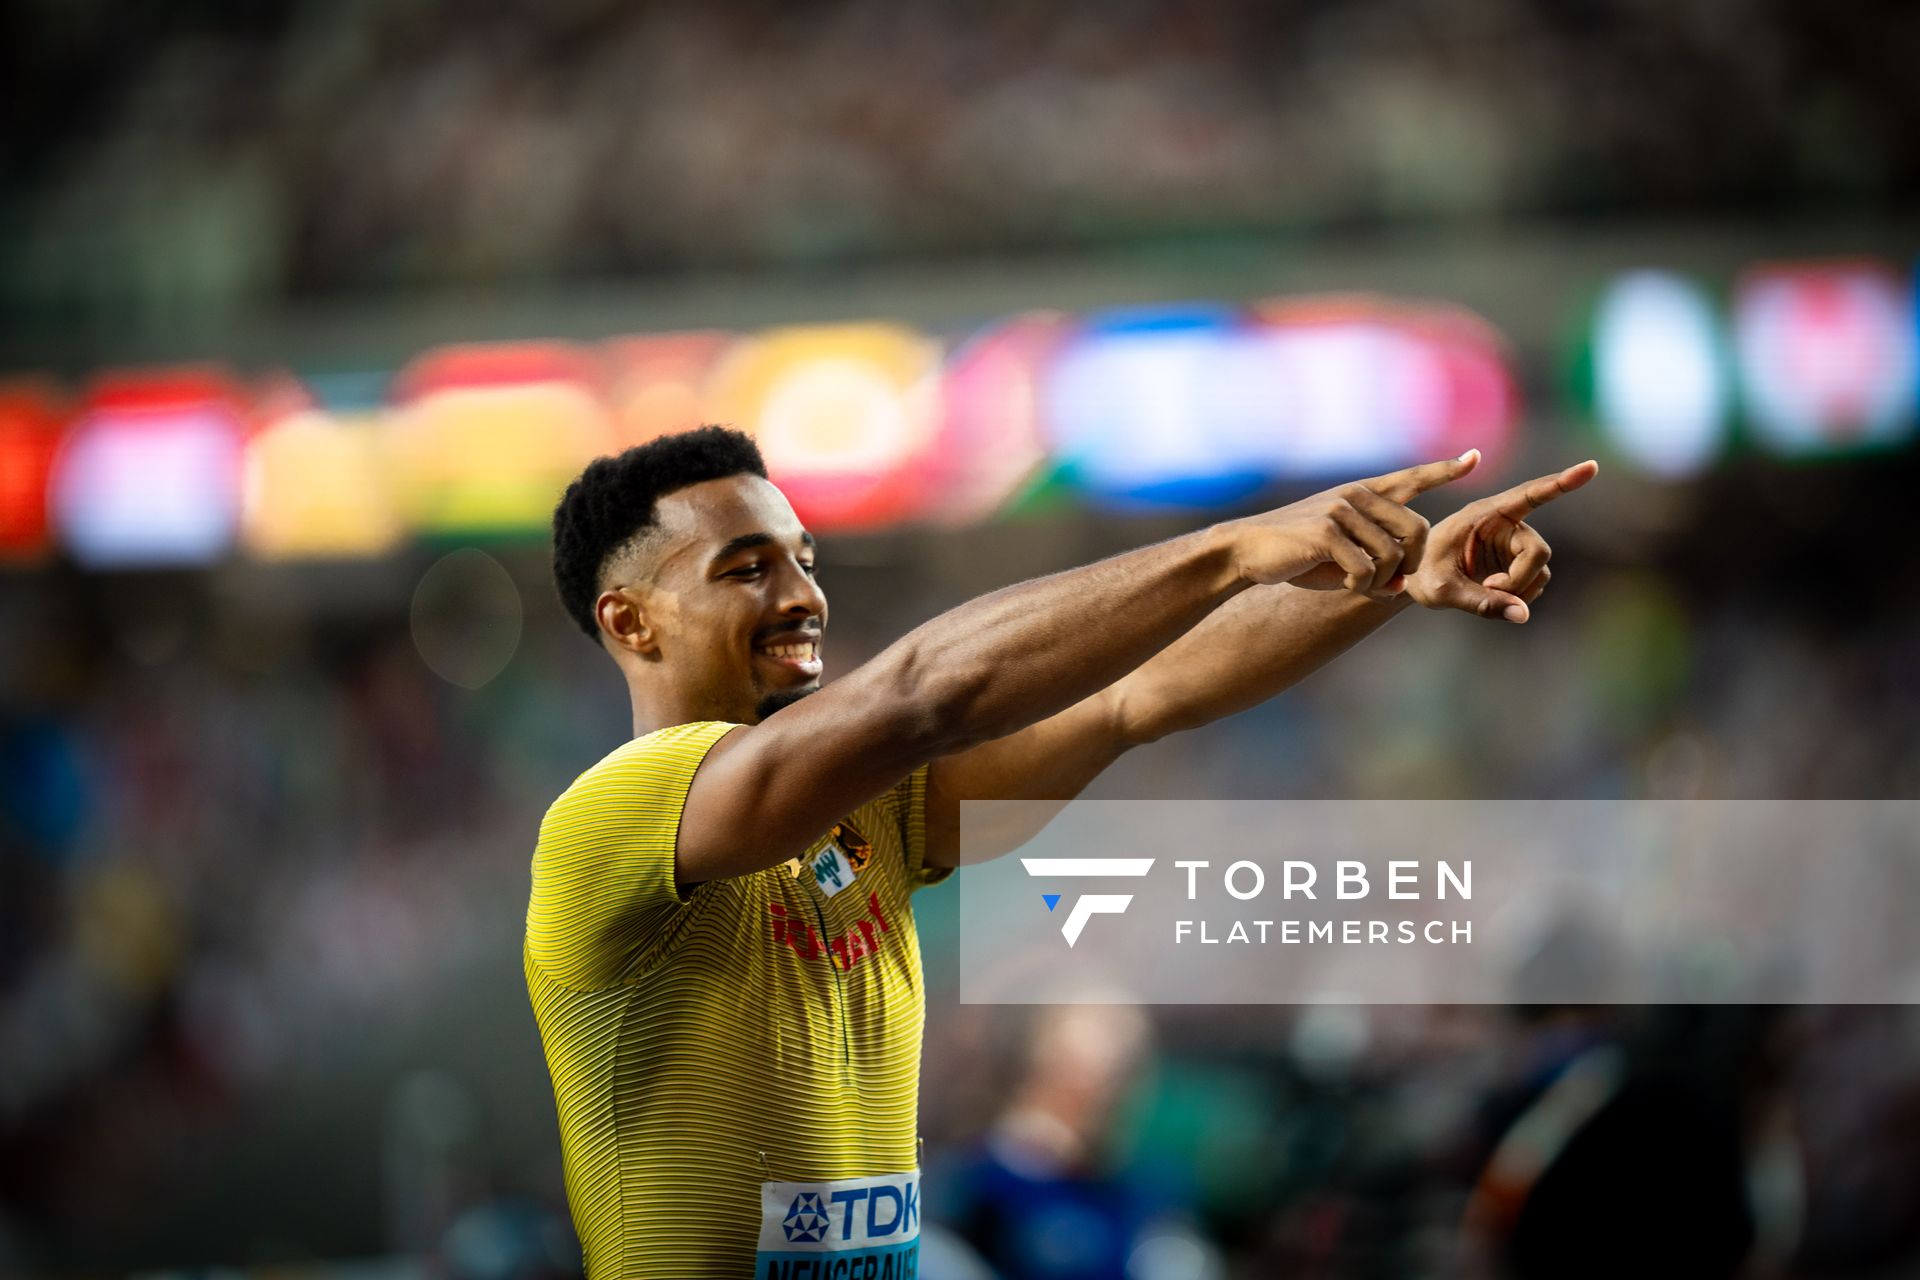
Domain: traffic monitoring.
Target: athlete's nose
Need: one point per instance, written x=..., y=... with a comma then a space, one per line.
x=801, y=596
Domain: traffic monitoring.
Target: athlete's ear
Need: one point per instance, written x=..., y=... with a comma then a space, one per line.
x=623, y=619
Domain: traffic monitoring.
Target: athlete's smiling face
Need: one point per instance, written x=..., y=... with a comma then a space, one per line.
x=735, y=615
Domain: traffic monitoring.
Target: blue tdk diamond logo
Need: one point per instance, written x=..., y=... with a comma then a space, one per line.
x=806, y=1221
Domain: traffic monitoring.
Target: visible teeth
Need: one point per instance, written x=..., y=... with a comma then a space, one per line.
x=804, y=651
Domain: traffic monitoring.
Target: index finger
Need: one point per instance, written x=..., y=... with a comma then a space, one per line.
x=1405, y=485
x=1523, y=500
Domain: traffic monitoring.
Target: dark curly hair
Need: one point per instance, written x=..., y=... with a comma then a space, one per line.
x=614, y=498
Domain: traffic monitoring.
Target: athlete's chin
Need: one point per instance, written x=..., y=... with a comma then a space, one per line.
x=781, y=699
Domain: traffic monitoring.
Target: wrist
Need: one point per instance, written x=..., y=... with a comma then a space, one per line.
x=1361, y=604
x=1415, y=593
x=1224, y=556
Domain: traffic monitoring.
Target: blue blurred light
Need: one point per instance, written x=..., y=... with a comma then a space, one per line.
x=1126, y=409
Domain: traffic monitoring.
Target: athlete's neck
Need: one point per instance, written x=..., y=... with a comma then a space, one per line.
x=655, y=708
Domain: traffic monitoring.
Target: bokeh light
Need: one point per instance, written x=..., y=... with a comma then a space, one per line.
x=1659, y=375
x=149, y=474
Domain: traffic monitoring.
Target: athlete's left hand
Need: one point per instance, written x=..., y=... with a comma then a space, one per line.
x=1485, y=559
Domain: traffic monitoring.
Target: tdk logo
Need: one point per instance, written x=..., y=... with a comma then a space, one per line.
x=1088, y=904
x=806, y=1218
x=858, y=1214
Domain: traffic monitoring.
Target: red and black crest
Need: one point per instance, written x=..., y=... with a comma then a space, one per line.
x=854, y=845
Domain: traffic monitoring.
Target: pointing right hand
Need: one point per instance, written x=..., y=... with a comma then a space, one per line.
x=1359, y=537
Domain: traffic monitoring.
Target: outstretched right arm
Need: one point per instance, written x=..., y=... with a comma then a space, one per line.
x=1001, y=662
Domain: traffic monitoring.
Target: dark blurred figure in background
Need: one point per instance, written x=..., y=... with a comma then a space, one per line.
x=1641, y=1146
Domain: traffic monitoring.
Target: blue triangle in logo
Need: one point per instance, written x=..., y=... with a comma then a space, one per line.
x=1051, y=899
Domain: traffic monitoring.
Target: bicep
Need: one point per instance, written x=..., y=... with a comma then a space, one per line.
x=1053, y=759
x=766, y=792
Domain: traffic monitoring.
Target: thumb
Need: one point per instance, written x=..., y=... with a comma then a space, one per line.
x=1486, y=602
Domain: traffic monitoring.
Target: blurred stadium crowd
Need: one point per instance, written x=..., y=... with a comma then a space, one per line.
x=264, y=871
x=204, y=153
x=265, y=823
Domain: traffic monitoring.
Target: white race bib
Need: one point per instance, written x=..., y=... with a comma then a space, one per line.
x=849, y=1229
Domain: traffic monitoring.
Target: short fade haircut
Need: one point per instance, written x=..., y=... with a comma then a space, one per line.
x=614, y=501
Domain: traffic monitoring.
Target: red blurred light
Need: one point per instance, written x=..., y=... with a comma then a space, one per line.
x=30, y=423
x=495, y=364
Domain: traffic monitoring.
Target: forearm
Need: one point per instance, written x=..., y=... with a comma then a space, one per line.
x=1246, y=651
x=1008, y=659
x=1253, y=647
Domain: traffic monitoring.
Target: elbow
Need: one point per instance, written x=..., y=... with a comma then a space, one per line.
x=1134, y=717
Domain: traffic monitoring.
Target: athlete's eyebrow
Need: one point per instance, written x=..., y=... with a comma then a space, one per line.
x=749, y=540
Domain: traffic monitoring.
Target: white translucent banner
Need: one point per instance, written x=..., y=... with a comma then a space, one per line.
x=1455, y=901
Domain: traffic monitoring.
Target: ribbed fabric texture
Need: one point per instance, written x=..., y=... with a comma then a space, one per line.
x=686, y=1037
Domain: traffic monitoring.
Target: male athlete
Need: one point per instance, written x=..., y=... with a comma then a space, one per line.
x=720, y=948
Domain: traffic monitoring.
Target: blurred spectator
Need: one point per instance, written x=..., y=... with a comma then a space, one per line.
x=1049, y=1193
x=195, y=156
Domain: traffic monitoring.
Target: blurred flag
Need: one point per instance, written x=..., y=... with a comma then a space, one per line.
x=843, y=414
x=1827, y=359
x=1202, y=405
x=318, y=485
x=150, y=473
x=485, y=438
x=989, y=442
x=1151, y=407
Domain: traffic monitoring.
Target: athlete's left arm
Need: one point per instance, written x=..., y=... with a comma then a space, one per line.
x=1484, y=559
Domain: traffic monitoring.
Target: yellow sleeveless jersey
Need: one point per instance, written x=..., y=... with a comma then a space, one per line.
x=712, y=1052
